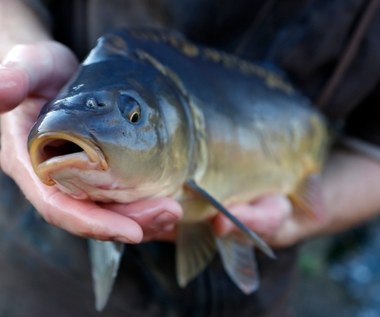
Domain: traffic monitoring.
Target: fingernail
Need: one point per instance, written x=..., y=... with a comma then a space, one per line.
x=126, y=240
x=4, y=67
x=122, y=239
x=8, y=65
x=163, y=220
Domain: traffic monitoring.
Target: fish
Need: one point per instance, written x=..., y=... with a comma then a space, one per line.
x=151, y=114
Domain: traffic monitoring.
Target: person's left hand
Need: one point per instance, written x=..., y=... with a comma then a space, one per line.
x=32, y=74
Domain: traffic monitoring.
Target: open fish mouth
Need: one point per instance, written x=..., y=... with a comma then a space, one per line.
x=50, y=152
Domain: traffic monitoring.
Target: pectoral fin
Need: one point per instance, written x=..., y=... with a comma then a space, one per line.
x=195, y=249
x=260, y=243
x=308, y=196
x=105, y=259
x=239, y=261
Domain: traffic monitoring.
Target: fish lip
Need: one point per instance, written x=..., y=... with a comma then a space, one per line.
x=39, y=159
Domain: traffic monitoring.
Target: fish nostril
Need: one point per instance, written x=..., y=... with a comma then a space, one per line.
x=92, y=103
x=58, y=147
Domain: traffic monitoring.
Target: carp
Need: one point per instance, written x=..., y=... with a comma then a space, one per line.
x=149, y=114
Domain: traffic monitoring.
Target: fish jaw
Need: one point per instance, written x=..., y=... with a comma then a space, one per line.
x=78, y=167
x=54, y=152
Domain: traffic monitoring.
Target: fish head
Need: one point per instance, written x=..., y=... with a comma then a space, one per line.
x=119, y=131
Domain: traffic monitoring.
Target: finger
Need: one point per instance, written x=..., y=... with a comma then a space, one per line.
x=13, y=87
x=297, y=228
x=156, y=216
x=35, y=69
x=169, y=234
x=263, y=216
x=86, y=219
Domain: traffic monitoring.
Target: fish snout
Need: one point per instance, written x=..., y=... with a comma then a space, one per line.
x=50, y=152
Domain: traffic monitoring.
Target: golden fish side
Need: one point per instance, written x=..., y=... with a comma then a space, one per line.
x=275, y=154
x=269, y=149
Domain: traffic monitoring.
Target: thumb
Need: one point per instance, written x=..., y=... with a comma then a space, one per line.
x=34, y=70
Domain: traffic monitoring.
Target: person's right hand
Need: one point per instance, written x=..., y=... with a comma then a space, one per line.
x=29, y=76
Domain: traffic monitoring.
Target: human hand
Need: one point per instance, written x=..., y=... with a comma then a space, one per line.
x=272, y=218
x=30, y=75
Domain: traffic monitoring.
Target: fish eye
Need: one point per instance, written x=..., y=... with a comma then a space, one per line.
x=130, y=109
x=134, y=117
